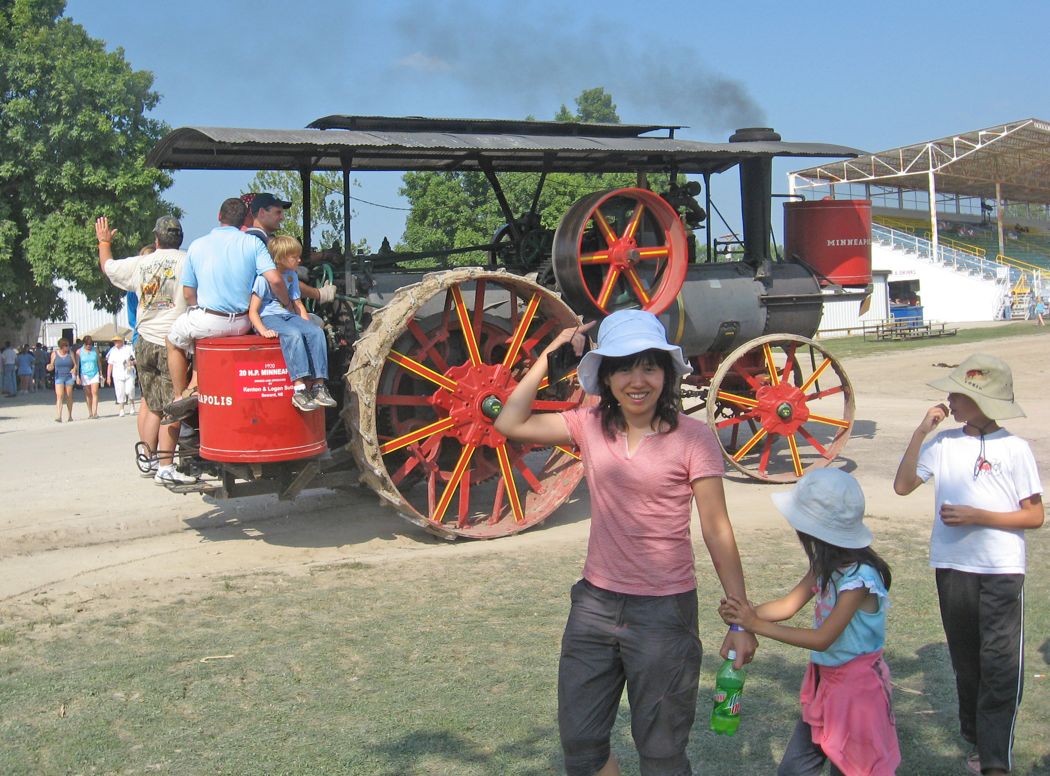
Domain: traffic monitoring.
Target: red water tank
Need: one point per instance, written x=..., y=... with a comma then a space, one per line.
x=833, y=237
x=246, y=410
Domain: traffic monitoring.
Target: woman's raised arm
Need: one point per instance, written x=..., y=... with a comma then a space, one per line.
x=516, y=420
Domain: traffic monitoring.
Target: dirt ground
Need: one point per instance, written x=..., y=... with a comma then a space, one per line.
x=83, y=531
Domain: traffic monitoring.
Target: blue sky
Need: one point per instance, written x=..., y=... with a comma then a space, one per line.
x=868, y=75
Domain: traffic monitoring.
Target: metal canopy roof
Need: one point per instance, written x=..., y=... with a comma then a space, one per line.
x=1014, y=155
x=486, y=126
x=418, y=144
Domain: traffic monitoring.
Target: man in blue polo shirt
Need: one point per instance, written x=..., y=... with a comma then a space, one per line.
x=217, y=280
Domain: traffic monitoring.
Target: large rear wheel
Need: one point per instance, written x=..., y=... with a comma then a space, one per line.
x=428, y=378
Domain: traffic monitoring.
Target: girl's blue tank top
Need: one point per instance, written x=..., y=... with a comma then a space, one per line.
x=63, y=366
x=88, y=363
x=866, y=632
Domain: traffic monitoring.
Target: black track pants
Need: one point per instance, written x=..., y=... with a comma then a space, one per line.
x=983, y=618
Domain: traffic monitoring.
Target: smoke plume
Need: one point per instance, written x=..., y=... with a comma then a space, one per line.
x=520, y=63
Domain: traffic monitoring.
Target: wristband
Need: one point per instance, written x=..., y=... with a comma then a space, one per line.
x=734, y=628
x=105, y=242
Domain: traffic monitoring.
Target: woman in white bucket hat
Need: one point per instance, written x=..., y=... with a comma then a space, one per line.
x=633, y=619
x=987, y=493
x=846, y=713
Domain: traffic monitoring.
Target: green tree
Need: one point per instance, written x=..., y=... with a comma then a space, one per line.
x=73, y=140
x=593, y=105
x=326, y=204
x=458, y=209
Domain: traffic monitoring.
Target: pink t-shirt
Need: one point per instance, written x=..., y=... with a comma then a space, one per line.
x=640, y=504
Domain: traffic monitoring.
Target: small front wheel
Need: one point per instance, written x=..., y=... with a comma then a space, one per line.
x=780, y=405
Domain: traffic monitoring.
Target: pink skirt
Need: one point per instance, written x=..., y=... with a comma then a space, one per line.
x=850, y=711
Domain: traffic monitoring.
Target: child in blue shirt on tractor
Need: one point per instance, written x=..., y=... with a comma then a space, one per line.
x=303, y=343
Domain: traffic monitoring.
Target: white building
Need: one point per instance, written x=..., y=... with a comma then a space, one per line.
x=82, y=317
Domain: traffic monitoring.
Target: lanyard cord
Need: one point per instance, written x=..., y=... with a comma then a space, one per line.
x=982, y=463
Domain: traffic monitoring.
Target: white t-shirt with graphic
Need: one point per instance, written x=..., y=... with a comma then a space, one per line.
x=157, y=279
x=997, y=482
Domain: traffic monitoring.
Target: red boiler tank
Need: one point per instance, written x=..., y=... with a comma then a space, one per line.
x=246, y=410
x=833, y=237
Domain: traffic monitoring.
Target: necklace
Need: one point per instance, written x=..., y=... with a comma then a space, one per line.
x=982, y=464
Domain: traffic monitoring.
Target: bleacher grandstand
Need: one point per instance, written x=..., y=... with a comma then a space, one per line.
x=989, y=193
x=1028, y=244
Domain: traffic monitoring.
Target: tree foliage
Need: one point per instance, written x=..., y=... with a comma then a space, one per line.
x=459, y=209
x=326, y=205
x=593, y=106
x=73, y=140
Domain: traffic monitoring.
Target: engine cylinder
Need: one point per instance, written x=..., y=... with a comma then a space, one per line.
x=722, y=306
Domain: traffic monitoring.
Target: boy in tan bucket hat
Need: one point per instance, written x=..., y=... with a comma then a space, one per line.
x=987, y=493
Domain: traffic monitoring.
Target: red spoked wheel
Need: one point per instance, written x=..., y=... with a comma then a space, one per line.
x=428, y=378
x=780, y=405
x=624, y=248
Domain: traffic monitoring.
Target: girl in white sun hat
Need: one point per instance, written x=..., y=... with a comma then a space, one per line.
x=845, y=696
x=633, y=619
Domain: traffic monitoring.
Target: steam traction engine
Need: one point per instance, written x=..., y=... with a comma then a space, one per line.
x=429, y=358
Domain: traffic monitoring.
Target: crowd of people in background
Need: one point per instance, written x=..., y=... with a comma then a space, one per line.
x=23, y=369
x=66, y=366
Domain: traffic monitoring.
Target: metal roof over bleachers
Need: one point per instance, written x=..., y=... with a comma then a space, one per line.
x=1015, y=156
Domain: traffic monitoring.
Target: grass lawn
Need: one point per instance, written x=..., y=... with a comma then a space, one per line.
x=440, y=666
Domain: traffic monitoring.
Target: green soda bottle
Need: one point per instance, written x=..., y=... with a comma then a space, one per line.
x=729, y=686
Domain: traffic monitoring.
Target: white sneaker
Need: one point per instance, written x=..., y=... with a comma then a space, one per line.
x=122, y=413
x=169, y=475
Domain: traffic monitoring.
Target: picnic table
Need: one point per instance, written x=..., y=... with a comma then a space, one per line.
x=906, y=329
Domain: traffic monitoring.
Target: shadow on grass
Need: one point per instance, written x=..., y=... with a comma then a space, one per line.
x=442, y=751
x=924, y=702
x=1044, y=650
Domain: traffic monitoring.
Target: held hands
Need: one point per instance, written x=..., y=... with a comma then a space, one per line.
x=741, y=613
x=734, y=611
x=102, y=230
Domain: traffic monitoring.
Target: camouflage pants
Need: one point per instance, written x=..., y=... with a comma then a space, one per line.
x=154, y=378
